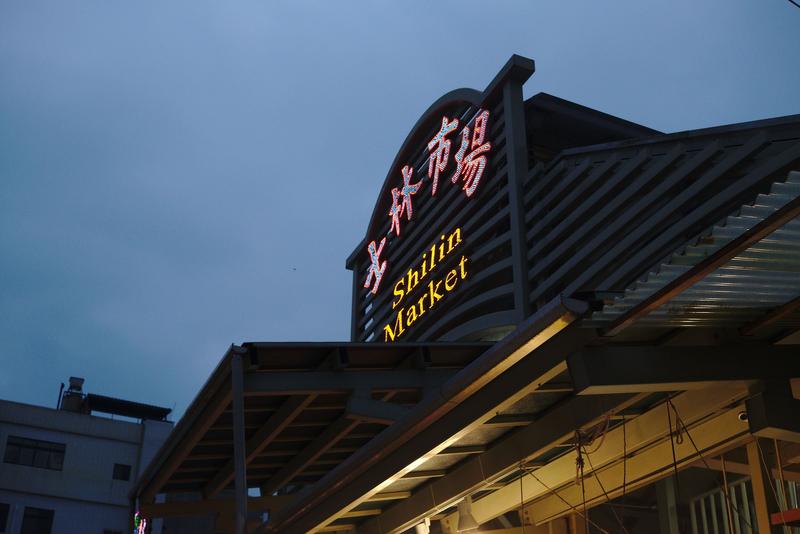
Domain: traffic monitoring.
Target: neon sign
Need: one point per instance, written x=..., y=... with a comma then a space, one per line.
x=439, y=149
x=396, y=211
x=376, y=268
x=431, y=293
x=471, y=167
x=139, y=524
x=471, y=159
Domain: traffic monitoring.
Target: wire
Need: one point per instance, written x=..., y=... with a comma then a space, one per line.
x=573, y=508
x=779, y=463
x=767, y=473
x=608, y=499
x=722, y=487
x=579, y=475
x=521, y=499
x=624, y=461
x=599, y=431
x=583, y=494
x=728, y=511
x=794, y=3
x=672, y=444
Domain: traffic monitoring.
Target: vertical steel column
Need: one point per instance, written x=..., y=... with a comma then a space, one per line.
x=703, y=515
x=746, y=508
x=737, y=517
x=239, y=466
x=667, y=506
x=355, y=309
x=759, y=480
x=517, y=163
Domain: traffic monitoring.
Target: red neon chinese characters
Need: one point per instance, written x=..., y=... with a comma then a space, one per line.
x=404, y=206
x=472, y=165
x=376, y=268
x=439, y=149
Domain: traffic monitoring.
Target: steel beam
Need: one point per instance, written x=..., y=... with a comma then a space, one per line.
x=499, y=460
x=759, y=481
x=463, y=449
x=277, y=422
x=376, y=411
x=772, y=413
x=517, y=165
x=609, y=370
x=771, y=317
x=431, y=473
x=193, y=430
x=390, y=496
x=509, y=370
x=711, y=436
x=269, y=503
x=310, y=453
x=744, y=469
x=667, y=506
x=637, y=434
x=511, y=420
x=239, y=462
x=322, y=382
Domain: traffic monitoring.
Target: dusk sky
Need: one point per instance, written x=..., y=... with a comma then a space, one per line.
x=179, y=176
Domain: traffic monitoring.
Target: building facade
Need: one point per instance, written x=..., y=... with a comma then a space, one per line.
x=67, y=471
x=562, y=323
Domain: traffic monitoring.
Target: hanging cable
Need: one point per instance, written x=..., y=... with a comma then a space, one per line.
x=603, y=489
x=779, y=463
x=722, y=487
x=562, y=499
x=624, y=460
x=672, y=444
x=795, y=4
x=598, y=432
x=725, y=485
x=582, y=441
x=767, y=473
x=579, y=476
x=521, y=499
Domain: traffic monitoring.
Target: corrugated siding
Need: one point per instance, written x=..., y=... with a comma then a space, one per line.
x=599, y=218
x=763, y=277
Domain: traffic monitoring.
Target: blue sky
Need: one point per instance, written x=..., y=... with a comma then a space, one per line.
x=177, y=176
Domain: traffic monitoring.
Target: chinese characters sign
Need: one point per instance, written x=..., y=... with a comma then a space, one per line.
x=470, y=164
x=139, y=524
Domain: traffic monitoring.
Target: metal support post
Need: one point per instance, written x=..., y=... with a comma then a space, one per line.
x=667, y=506
x=763, y=497
x=240, y=467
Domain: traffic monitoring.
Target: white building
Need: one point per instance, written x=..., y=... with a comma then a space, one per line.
x=66, y=471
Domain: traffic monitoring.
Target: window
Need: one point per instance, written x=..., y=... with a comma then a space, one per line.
x=37, y=521
x=122, y=472
x=35, y=453
x=3, y=517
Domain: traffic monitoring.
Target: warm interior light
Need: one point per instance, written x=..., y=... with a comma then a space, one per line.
x=465, y=519
x=424, y=527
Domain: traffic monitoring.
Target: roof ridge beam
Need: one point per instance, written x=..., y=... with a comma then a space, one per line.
x=321, y=382
x=631, y=369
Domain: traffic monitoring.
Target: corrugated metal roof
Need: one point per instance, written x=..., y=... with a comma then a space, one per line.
x=764, y=276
